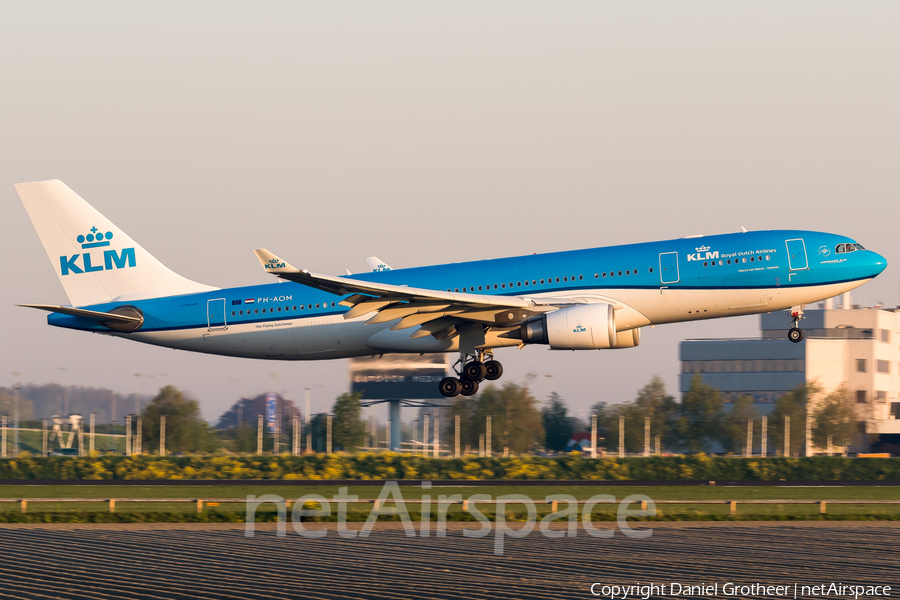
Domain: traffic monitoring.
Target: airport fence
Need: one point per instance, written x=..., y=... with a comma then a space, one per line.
x=378, y=504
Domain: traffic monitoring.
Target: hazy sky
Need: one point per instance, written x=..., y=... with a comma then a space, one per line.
x=429, y=132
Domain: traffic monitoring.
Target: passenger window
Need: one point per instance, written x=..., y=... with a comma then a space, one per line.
x=542, y=282
x=317, y=306
x=628, y=272
x=503, y=285
x=232, y=313
x=705, y=264
x=256, y=311
x=495, y=286
x=479, y=288
x=604, y=276
x=264, y=311
x=580, y=277
x=294, y=307
x=651, y=269
x=565, y=278
x=596, y=275
x=620, y=273
x=612, y=273
x=279, y=309
x=557, y=280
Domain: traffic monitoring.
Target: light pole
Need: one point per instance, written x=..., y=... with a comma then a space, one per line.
x=64, y=409
x=240, y=409
x=137, y=393
x=16, y=415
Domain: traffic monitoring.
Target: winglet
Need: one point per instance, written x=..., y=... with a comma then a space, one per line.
x=272, y=263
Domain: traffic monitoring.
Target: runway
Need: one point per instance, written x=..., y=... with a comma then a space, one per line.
x=181, y=561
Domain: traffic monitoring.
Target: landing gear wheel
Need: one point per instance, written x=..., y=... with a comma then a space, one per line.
x=468, y=387
x=493, y=370
x=475, y=371
x=795, y=334
x=450, y=387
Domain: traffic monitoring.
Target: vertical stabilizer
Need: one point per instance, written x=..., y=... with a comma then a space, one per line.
x=376, y=264
x=95, y=261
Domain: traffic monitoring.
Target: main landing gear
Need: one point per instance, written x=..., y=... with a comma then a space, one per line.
x=475, y=369
x=795, y=334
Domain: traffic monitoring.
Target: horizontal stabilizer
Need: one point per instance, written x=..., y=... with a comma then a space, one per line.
x=118, y=321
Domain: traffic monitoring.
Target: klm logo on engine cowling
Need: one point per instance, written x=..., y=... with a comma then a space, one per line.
x=112, y=259
x=579, y=328
x=703, y=253
x=274, y=263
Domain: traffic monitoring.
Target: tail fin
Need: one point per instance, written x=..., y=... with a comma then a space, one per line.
x=96, y=261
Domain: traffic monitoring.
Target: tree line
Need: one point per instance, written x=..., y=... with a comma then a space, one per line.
x=702, y=422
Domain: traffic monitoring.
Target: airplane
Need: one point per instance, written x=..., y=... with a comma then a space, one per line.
x=590, y=299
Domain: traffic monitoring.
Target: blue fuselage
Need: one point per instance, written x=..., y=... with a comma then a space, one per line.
x=658, y=282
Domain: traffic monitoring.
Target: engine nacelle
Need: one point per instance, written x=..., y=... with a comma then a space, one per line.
x=628, y=339
x=583, y=327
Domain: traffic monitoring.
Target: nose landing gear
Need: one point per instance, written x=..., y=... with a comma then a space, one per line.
x=474, y=370
x=795, y=334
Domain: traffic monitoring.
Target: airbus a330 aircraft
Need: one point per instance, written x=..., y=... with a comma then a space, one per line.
x=594, y=299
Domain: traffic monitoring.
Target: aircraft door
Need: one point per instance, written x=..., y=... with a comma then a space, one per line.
x=668, y=268
x=215, y=314
x=797, y=255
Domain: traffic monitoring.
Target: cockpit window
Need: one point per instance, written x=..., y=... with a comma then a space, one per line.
x=843, y=248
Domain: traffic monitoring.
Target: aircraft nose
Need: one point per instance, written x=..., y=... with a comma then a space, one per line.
x=877, y=262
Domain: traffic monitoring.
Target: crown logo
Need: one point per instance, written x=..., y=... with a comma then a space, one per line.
x=702, y=249
x=95, y=239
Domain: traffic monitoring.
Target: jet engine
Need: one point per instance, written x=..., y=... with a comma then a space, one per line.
x=583, y=327
x=628, y=339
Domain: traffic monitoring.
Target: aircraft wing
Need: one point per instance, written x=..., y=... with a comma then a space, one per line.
x=436, y=312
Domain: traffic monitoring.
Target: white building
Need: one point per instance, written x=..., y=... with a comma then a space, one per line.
x=855, y=347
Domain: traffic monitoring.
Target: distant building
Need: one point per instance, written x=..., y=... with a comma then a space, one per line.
x=855, y=347
x=269, y=406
